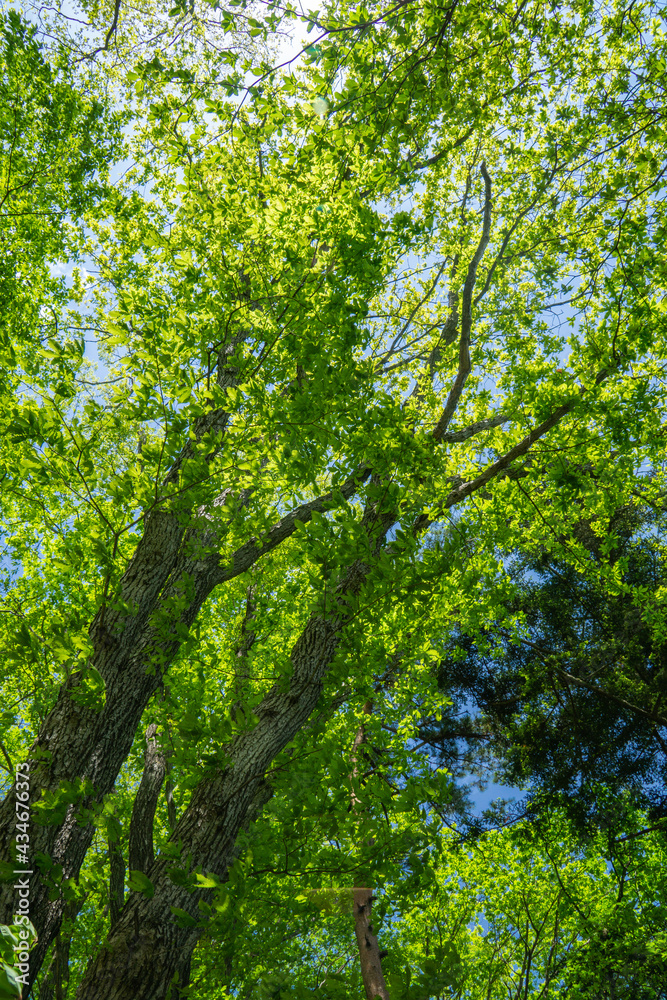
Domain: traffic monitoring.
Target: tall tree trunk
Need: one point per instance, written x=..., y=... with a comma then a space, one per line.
x=362, y=897
x=369, y=949
x=147, y=938
x=87, y=748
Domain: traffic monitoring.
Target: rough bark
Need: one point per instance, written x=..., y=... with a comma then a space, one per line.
x=369, y=950
x=116, y=882
x=140, y=851
x=148, y=953
x=362, y=897
x=147, y=937
x=171, y=805
x=78, y=744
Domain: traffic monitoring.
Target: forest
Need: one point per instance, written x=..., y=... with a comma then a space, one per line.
x=333, y=498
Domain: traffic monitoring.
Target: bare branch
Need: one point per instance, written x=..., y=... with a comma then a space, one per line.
x=252, y=550
x=467, y=489
x=109, y=35
x=466, y=315
x=425, y=297
x=508, y=236
x=641, y=833
x=481, y=425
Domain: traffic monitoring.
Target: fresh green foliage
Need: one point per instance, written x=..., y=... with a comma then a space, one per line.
x=15, y=943
x=346, y=335
x=522, y=911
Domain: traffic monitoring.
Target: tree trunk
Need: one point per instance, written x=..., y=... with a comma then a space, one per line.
x=367, y=942
x=144, y=951
x=140, y=851
x=369, y=950
x=147, y=938
x=86, y=747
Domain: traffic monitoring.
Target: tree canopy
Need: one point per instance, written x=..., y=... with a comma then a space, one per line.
x=334, y=400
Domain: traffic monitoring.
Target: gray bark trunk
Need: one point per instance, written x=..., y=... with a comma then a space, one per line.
x=140, y=852
x=147, y=938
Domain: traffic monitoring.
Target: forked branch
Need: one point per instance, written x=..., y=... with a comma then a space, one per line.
x=466, y=315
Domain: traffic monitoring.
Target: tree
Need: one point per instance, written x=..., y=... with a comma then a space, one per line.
x=572, y=703
x=323, y=316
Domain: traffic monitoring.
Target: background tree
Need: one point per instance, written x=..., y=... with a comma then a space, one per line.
x=573, y=701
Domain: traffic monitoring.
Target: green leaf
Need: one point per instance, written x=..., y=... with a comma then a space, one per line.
x=138, y=882
x=183, y=919
x=8, y=942
x=10, y=985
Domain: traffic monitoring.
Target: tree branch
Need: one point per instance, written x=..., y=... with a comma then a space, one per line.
x=109, y=35
x=467, y=489
x=481, y=425
x=141, y=853
x=466, y=315
x=252, y=550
